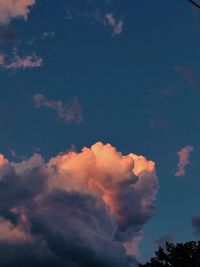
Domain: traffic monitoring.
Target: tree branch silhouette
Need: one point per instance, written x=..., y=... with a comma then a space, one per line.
x=194, y=3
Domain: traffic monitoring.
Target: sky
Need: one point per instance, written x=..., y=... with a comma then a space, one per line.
x=99, y=130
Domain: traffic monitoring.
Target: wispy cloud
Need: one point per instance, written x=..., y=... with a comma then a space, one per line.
x=163, y=92
x=10, y=9
x=17, y=62
x=187, y=73
x=101, y=13
x=71, y=112
x=2, y=59
x=161, y=123
x=114, y=23
x=183, y=160
x=48, y=35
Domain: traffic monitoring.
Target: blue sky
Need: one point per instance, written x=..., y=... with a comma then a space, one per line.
x=137, y=88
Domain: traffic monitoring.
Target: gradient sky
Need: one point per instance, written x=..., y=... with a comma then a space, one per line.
x=134, y=78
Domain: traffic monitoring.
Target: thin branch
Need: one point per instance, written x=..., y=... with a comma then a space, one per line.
x=194, y=3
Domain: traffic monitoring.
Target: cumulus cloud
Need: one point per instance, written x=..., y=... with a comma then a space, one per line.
x=68, y=112
x=183, y=160
x=10, y=9
x=78, y=209
x=17, y=62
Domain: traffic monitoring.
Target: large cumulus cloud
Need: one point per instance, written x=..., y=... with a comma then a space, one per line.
x=10, y=9
x=78, y=209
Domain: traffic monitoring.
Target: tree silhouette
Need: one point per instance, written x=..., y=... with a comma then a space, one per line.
x=179, y=255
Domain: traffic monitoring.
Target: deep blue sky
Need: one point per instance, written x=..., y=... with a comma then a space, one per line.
x=128, y=86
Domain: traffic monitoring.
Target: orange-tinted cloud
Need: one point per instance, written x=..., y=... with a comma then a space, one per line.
x=10, y=9
x=127, y=185
x=2, y=160
x=183, y=160
x=12, y=234
x=71, y=112
x=96, y=201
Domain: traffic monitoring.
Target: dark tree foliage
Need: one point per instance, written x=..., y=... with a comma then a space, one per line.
x=179, y=255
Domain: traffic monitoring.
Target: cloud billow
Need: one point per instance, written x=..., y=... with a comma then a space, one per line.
x=77, y=210
x=10, y=9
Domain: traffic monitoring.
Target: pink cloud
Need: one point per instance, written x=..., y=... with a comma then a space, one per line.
x=31, y=61
x=117, y=25
x=183, y=160
x=17, y=62
x=10, y=9
x=69, y=113
x=2, y=59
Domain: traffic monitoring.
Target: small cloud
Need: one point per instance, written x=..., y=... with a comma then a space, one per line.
x=69, y=113
x=10, y=9
x=163, y=92
x=114, y=23
x=187, y=73
x=2, y=59
x=183, y=160
x=48, y=35
x=159, y=123
x=17, y=62
x=44, y=36
x=31, y=61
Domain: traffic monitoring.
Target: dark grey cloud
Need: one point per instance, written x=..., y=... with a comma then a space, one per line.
x=7, y=35
x=196, y=224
